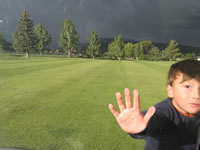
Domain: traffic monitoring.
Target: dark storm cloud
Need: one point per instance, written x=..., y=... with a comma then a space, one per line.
x=154, y=20
x=180, y=21
x=132, y=19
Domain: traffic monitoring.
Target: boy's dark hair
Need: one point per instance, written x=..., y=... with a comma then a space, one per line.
x=189, y=67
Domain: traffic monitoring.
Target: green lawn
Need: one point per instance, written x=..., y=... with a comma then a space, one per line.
x=62, y=104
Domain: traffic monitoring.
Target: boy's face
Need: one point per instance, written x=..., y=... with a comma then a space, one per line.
x=185, y=94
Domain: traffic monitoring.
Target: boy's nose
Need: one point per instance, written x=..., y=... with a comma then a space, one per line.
x=196, y=94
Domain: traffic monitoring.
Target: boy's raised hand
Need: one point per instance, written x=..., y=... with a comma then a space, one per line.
x=130, y=118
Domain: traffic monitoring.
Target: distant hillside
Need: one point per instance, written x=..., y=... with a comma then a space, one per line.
x=184, y=48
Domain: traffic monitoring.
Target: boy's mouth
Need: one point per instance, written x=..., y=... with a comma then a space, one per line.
x=195, y=104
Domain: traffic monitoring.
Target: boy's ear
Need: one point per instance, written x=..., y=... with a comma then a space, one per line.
x=170, y=91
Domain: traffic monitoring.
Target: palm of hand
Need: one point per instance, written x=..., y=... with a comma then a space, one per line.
x=130, y=118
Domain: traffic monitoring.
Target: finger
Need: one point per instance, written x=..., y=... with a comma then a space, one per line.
x=128, y=98
x=136, y=99
x=113, y=111
x=149, y=114
x=120, y=102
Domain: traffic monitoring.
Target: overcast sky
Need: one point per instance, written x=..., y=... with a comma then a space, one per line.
x=156, y=20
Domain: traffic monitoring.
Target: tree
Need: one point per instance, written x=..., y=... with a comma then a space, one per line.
x=43, y=38
x=3, y=44
x=15, y=44
x=69, y=38
x=144, y=49
x=189, y=56
x=26, y=38
x=115, y=48
x=147, y=46
x=154, y=53
x=94, y=46
x=172, y=51
x=129, y=50
x=136, y=51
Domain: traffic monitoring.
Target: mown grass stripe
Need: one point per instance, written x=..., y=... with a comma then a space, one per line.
x=65, y=106
x=29, y=67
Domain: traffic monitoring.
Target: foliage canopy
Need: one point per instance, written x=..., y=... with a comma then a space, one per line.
x=43, y=38
x=69, y=38
x=94, y=46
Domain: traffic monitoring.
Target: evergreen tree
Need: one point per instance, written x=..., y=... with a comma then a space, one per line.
x=94, y=46
x=43, y=38
x=25, y=35
x=69, y=38
x=115, y=48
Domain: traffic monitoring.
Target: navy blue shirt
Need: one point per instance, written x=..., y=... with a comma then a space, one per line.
x=168, y=129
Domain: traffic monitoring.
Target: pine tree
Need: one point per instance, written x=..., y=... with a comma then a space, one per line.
x=69, y=38
x=94, y=46
x=25, y=35
x=43, y=38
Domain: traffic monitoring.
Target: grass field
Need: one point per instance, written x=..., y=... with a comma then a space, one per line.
x=62, y=104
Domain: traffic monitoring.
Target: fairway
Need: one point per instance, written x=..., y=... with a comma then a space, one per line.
x=51, y=103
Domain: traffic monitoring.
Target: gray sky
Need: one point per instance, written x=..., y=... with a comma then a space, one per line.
x=156, y=20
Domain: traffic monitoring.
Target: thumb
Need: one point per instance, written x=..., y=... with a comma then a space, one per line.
x=149, y=114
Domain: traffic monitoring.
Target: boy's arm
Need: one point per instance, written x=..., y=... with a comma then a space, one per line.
x=130, y=118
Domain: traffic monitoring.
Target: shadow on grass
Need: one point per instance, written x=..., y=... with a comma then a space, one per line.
x=13, y=148
x=61, y=132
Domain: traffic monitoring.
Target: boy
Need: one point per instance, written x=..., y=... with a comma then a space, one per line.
x=173, y=123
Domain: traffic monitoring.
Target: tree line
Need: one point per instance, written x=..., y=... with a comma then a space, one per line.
x=29, y=38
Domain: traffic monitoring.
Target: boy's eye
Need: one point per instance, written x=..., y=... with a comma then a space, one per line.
x=187, y=86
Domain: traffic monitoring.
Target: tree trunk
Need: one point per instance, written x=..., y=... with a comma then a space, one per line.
x=40, y=53
x=92, y=57
x=69, y=53
x=27, y=54
x=1, y=51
